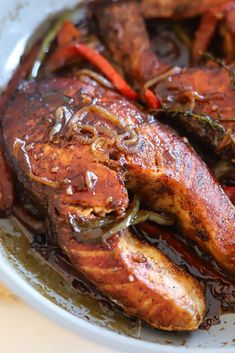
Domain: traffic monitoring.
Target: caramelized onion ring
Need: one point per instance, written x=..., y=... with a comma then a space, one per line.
x=95, y=76
x=84, y=134
x=129, y=141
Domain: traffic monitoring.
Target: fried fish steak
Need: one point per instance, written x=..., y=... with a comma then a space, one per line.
x=54, y=133
x=201, y=99
x=176, y=8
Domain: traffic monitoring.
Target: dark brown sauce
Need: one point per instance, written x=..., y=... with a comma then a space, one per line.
x=219, y=286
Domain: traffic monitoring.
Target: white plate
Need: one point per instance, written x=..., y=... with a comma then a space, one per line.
x=36, y=331
x=18, y=20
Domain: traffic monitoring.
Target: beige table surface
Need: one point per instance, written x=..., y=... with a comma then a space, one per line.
x=23, y=330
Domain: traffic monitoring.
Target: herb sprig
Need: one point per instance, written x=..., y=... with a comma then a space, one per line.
x=222, y=63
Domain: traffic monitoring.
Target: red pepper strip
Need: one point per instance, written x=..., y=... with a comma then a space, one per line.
x=230, y=192
x=62, y=54
x=20, y=74
x=151, y=99
x=67, y=33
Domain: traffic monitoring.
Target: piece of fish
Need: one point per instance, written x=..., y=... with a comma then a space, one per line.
x=203, y=99
x=78, y=184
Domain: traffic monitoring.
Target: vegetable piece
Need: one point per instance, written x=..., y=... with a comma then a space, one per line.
x=45, y=46
x=20, y=146
x=125, y=223
x=151, y=99
x=94, y=231
x=101, y=146
x=144, y=215
x=95, y=76
x=89, y=231
x=230, y=192
x=62, y=54
x=206, y=119
x=222, y=64
x=84, y=134
x=129, y=140
x=96, y=109
x=67, y=34
x=168, y=73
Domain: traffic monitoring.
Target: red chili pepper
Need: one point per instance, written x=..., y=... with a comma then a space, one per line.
x=230, y=192
x=67, y=33
x=62, y=54
x=151, y=99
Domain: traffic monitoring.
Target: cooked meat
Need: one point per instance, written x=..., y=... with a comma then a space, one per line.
x=170, y=176
x=121, y=24
x=163, y=165
x=176, y=8
x=199, y=91
x=55, y=156
x=209, y=95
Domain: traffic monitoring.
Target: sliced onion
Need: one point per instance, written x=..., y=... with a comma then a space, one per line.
x=107, y=131
x=159, y=218
x=97, y=77
x=95, y=231
x=90, y=231
x=81, y=113
x=62, y=116
x=42, y=180
x=192, y=97
x=125, y=223
x=129, y=141
x=84, y=134
x=153, y=81
x=99, y=148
